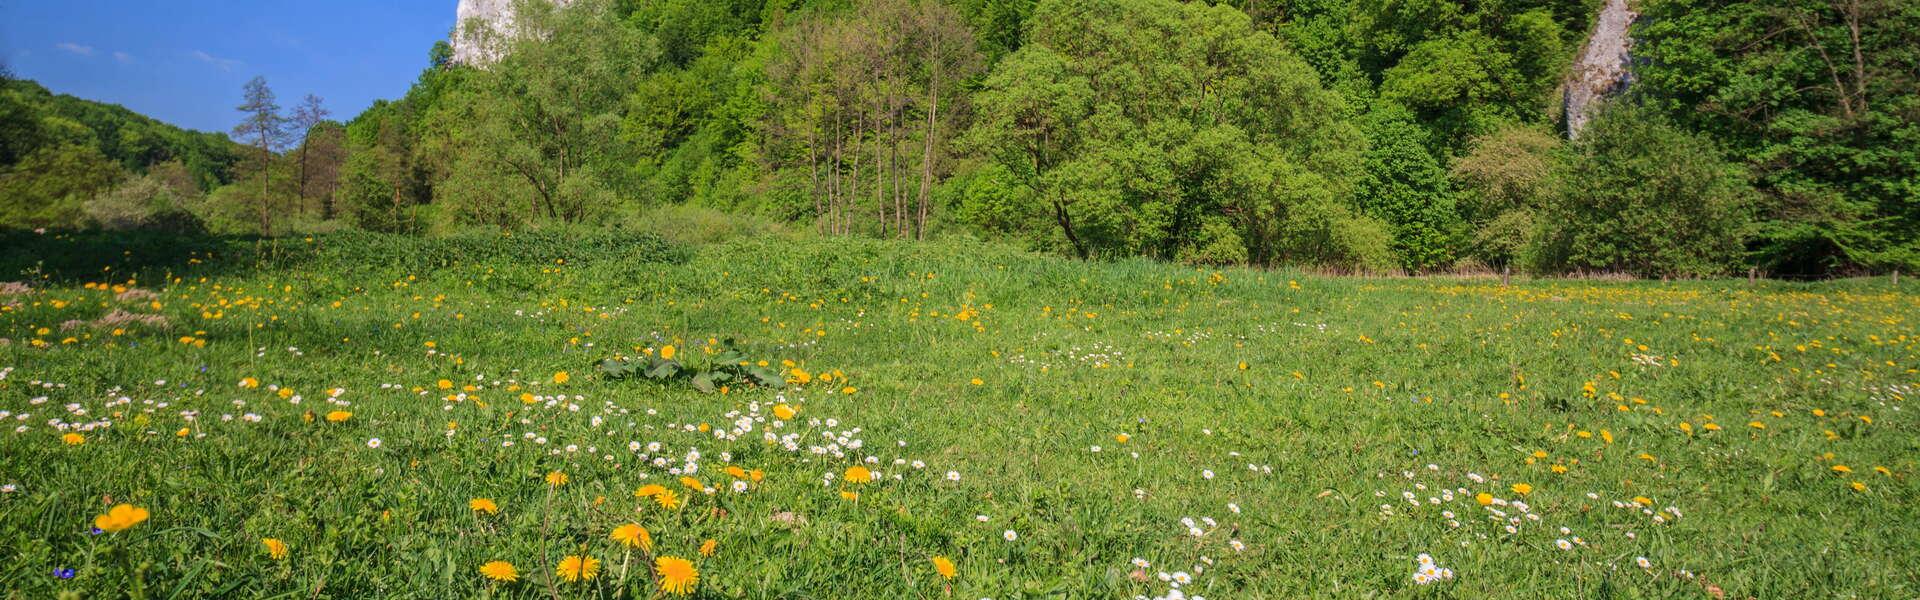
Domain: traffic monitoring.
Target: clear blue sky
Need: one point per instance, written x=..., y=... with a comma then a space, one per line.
x=184, y=61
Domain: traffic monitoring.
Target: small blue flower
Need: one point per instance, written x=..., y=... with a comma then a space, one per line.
x=63, y=573
x=94, y=531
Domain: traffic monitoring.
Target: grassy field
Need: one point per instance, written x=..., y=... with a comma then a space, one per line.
x=324, y=418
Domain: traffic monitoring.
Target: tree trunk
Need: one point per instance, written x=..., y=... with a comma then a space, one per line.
x=926, y=155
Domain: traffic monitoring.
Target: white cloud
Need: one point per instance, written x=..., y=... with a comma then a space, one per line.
x=124, y=58
x=225, y=64
x=79, y=49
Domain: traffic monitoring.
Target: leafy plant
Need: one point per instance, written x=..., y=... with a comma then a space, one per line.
x=719, y=369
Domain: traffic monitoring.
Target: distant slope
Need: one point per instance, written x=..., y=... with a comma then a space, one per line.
x=32, y=117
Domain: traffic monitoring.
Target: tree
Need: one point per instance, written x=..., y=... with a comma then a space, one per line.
x=1641, y=196
x=308, y=115
x=264, y=128
x=1506, y=179
x=51, y=185
x=1405, y=186
x=1170, y=130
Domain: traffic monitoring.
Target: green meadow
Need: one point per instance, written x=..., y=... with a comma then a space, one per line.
x=843, y=418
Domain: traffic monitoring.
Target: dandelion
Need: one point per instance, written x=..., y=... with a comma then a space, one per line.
x=858, y=474
x=501, y=571
x=339, y=416
x=784, y=412
x=977, y=381
x=943, y=566
x=677, y=575
x=578, y=568
x=1522, y=489
x=1483, y=498
x=1842, y=469
x=667, y=352
x=120, y=517
x=556, y=478
x=692, y=484
x=708, y=547
x=483, y=505
x=849, y=495
x=649, y=490
x=632, y=535
x=1857, y=486
x=667, y=499
x=276, y=549
x=73, y=439
x=561, y=377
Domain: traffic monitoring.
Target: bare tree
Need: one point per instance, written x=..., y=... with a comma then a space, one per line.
x=308, y=115
x=265, y=129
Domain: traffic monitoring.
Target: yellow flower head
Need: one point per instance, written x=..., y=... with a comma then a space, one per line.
x=1522, y=489
x=556, y=478
x=1121, y=438
x=677, y=575
x=73, y=439
x=707, y=547
x=784, y=412
x=120, y=517
x=667, y=499
x=578, y=568
x=443, y=384
x=667, y=352
x=1483, y=499
x=500, y=570
x=338, y=416
x=736, y=472
x=561, y=377
x=632, y=535
x=650, y=489
x=276, y=549
x=859, y=474
x=483, y=505
x=692, y=484
x=943, y=566
x=849, y=495
x=1842, y=469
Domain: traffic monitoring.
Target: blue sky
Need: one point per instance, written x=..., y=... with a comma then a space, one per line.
x=184, y=61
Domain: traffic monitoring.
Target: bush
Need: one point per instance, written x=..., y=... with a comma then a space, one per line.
x=1643, y=197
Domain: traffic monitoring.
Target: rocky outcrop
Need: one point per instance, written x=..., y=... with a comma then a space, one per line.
x=1603, y=68
x=493, y=14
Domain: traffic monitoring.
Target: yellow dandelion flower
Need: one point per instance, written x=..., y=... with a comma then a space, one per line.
x=1121, y=438
x=1857, y=486
x=632, y=535
x=943, y=566
x=120, y=517
x=556, y=478
x=859, y=474
x=1842, y=469
x=849, y=495
x=708, y=547
x=276, y=549
x=677, y=575
x=578, y=568
x=1756, y=425
x=692, y=484
x=561, y=377
x=977, y=381
x=1483, y=498
x=500, y=570
x=649, y=490
x=667, y=352
x=443, y=384
x=339, y=416
x=784, y=412
x=73, y=439
x=483, y=505
x=667, y=499
x=736, y=472
x=1522, y=489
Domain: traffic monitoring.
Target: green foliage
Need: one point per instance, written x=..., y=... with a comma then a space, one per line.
x=715, y=367
x=1641, y=196
x=1818, y=99
x=51, y=185
x=1406, y=187
x=32, y=117
x=1506, y=179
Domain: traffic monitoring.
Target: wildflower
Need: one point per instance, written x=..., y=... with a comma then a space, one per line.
x=632, y=535
x=483, y=505
x=339, y=416
x=120, y=517
x=1857, y=486
x=677, y=575
x=667, y=499
x=1643, y=562
x=249, y=382
x=648, y=490
x=849, y=495
x=276, y=549
x=784, y=412
x=374, y=443
x=1121, y=438
x=1522, y=489
x=66, y=573
x=692, y=484
x=561, y=377
x=1842, y=469
x=1483, y=498
x=578, y=568
x=667, y=352
x=708, y=547
x=736, y=472
x=858, y=474
x=73, y=439
x=943, y=566
x=556, y=478
x=1563, y=544
x=500, y=570
x=1010, y=535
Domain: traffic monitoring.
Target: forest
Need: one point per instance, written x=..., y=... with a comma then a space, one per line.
x=1415, y=136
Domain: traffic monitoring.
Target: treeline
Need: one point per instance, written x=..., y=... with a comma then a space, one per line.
x=1415, y=135
x=68, y=162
